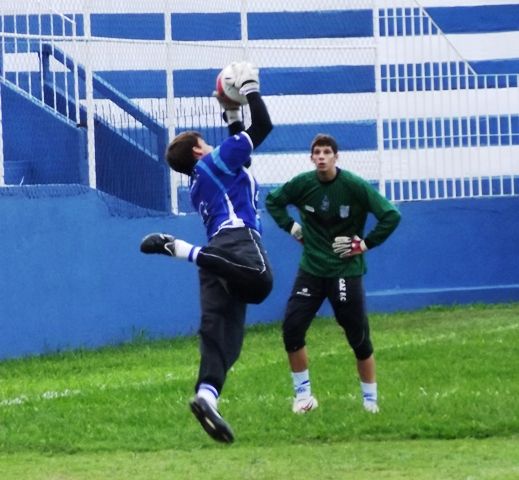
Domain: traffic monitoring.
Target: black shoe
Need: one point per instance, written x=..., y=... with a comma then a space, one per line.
x=211, y=421
x=158, y=243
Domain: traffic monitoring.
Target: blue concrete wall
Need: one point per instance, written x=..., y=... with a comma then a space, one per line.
x=444, y=252
x=29, y=133
x=72, y=274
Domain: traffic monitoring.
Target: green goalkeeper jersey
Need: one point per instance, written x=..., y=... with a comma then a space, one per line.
x=328, y=210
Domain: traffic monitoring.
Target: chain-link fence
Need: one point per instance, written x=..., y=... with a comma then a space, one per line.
x=408, y=111
x=448, y=131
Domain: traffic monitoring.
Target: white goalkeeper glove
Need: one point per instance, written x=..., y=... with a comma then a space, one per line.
x=246, y=77
x=232, y=110
x=297, y=232
x=348, y=246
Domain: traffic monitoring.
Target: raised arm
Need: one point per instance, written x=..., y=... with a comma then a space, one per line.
x=240, y=85
x=261, y=124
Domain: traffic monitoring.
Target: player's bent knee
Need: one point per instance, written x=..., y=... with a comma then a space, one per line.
x=364, y=350
x=263, y=288
x=292, y=342
x=293, y=347
x=255, y=292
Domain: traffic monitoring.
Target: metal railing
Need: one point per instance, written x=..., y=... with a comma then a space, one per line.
x=446, y=131
x=443, y=130
x=39, y=58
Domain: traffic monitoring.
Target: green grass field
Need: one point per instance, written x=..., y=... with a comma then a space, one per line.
x=448, y=386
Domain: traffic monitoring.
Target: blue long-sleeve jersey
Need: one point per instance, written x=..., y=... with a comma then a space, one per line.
x=223, y=190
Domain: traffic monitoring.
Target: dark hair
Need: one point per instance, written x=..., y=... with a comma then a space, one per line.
x=179, y=154
x=324, y=140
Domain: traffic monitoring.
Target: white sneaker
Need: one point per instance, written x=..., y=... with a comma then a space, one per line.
x=371, y=407
x=304, y=405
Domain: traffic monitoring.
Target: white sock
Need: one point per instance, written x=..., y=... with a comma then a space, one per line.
x=369, y=392
x=208, y=393
x=301, y=382
x=187, y=250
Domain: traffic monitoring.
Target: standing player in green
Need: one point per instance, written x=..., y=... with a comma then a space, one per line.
x=333, y=205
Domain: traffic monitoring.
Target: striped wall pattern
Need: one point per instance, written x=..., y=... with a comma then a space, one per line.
x=407, y=87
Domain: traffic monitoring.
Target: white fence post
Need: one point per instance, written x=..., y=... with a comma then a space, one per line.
x=89, y=100
x=174, y=177
x=378, y=89
x=244, y=29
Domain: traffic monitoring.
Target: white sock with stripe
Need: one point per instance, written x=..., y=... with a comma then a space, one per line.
x=186, y=250
x=301, y=382
x=369, y=392
x=208, y=393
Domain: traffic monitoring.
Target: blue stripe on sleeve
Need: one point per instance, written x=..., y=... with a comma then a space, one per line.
x=213, y=177
x=217, y=159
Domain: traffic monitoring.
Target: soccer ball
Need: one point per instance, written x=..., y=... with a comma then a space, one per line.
x=226, y=89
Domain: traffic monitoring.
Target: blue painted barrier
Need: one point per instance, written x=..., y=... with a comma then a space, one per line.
x=72, y=274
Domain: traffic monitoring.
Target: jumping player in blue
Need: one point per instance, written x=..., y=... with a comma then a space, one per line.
x=233, y=267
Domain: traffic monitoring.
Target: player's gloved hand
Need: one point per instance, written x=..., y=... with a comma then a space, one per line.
x=225, y=102
x=231, y=110
x=348, y=246
x=358, y=246
x=341, y=246
x=158, y=243
x=246, y=77
x=297, y=232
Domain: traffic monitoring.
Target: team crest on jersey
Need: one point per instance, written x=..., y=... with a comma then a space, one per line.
x=325, y=204
x=344, y=211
